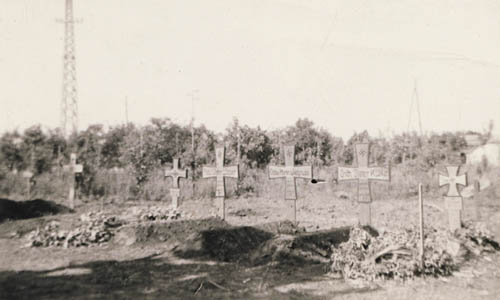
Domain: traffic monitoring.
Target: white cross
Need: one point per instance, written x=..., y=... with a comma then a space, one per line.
x=453, y=199
x=452, y=180
x=74, y=168
x=220, y=172
x=176, y=173
x=290, y=172
x=363, y=174
x=28, y=174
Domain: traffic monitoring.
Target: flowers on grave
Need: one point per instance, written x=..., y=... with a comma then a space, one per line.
x=395, y=255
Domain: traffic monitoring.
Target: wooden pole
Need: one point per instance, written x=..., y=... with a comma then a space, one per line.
x=71, y=196
x=28, y=179
x=222, y=207
x=475, y=199
x=295, y=211
x=421, y=208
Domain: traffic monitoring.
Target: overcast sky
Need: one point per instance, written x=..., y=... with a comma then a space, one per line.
x=346, y=65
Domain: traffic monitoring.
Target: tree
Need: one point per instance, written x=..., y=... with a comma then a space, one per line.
x=255, y=146
x=10, y=151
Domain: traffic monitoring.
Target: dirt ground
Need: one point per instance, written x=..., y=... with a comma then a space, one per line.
x=198, y=257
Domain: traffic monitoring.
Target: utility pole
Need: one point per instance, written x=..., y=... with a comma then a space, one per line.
x=415, y=99
x=194, y=96
x=415, y=92
x=69, y=101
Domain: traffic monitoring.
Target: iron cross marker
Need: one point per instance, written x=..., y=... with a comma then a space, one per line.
x=452, y=180
x=176, y=174
x=363, y=174
x=453, y=199
x=290, y=172
x=220, y=173
x=74, y=168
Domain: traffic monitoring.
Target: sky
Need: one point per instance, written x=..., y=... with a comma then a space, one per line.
x=346, y=65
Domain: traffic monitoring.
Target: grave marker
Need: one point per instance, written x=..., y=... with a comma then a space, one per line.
x=290, y=172
x=176, y=174
x=453, y=199
x=364, y=174
x=220, y=173
x=74, y=168
x=28, y=174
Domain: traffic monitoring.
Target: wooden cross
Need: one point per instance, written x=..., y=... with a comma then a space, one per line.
x=176, y=174
x=220, y=172
x=363, y=174
x=74, y=168
x=290, y=172
x=28, y=174
x=453, y=199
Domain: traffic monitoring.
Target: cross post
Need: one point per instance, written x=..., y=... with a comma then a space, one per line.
x=290, y=172
x=453, y=199
x=74, y=168
x=220, y=173
x=27, y=174
x=364, y=174
x=176, y=174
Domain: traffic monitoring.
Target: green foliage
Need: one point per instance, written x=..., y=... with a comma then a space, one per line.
x=143, y=152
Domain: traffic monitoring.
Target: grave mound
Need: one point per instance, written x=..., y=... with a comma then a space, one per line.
x=214, y=239
x=278, y=242
x=18, y=210
x=395, y=254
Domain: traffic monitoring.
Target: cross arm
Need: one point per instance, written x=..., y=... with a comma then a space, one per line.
x=288, y=171
x=347, y=174
x=209, y=172
x=379, y=173
x=231, y=171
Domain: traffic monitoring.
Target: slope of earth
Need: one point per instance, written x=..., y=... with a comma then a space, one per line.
x=254, y=255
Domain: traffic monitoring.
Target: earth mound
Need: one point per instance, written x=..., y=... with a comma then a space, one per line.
x=18, y=210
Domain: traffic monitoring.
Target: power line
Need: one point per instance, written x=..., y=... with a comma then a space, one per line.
x=69, y=101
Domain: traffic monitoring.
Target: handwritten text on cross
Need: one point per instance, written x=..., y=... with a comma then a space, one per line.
x=363, y=173
x=220, y=172
x=290, y=172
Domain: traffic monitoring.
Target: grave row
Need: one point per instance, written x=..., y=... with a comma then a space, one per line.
x=362, y=173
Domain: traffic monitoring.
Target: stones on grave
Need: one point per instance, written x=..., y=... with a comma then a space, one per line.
x=73, y=168
x=220, y=173
x=290, y=172
x=453, y=199
x=126, y=236
x=176, y=174
x=363, y=174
